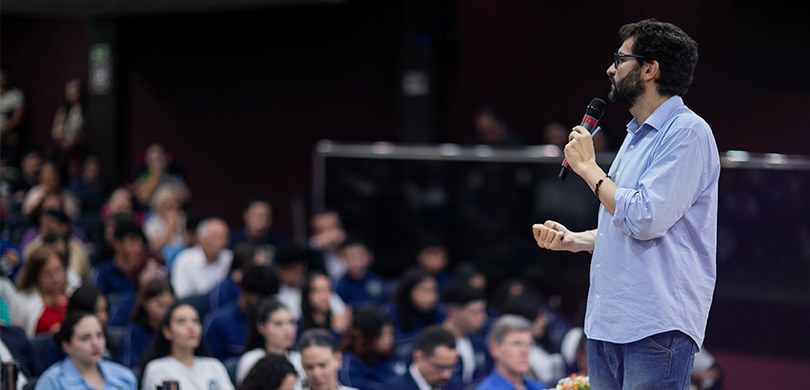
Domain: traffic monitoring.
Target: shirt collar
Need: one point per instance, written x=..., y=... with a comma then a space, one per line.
x=421, y=383
x=658, y=117
x=71, y=373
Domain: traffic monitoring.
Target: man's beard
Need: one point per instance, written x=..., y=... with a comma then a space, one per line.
x=627, y=90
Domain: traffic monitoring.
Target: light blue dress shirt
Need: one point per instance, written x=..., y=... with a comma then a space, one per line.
x=65, y=376
x=654, y=262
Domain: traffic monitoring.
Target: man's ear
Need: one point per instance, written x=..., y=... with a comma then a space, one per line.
x=418, y=355
x=650, y=70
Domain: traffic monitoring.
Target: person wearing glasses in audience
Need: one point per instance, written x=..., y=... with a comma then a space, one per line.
x=655, y=243
x=434, y=357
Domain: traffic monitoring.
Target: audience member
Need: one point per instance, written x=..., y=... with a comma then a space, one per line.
x=367, y=348
x=415, y=306
x=327, y=236
x=226, y=292
x=321, y=307
x=197, y=270
x=118, y=277
x=10, y=259
x=509, y=341
x=226, y=329
x=321, y=360
x=555, y=133
x=272, y=332
x=158, y=169
x=12, y=112
x=360, y=285
x=15, y=346
x=165, y=227
x=57, y=223
x=433, y=358
x=431, y=254
x=83, y=340
x=273, y=372
x=67, y=131
x=28, y=177
x=291, y=264
x=41, y=303
x=50, y=182
x=103, y=237
x=90, y=299
x=491, y=129
x=90, y=189
x=153, y=301
x=466, y=311
x=545, y=366
x=176, y=354
x=257, y=228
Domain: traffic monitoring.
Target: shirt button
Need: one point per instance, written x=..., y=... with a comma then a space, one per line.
x=632, y=146
x=598, y=265
x=598, y=296
x=601, y=234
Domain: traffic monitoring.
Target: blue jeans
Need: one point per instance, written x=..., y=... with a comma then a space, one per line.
x=661, y=361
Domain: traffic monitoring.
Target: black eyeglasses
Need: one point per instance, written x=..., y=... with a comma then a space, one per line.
x=619, y=57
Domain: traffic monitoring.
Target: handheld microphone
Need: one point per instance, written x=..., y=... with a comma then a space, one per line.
x=593, y=113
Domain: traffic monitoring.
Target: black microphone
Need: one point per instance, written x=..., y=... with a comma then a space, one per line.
x=593, y=113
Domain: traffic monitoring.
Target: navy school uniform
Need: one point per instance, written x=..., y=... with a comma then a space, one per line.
x=134, y=343
x=483, y=362
x=111, y=280
x=356, y=373
x=223, y=294
x=370, y=290
x=20, y=347
x=225, y=332
x=407, y=382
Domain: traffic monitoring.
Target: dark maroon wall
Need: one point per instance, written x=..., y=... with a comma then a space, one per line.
x=243, y=96
x=43, y=54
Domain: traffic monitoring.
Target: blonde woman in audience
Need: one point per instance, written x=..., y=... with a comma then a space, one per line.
x=165, y=227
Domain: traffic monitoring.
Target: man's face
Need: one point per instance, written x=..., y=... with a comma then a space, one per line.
x=626, y=84
x=258, y=217
x=512, y=355
x=437, y=369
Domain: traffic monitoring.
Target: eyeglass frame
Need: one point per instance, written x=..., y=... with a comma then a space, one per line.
x=618, y=57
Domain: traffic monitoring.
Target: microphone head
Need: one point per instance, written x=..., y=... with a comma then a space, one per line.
x=596, y=108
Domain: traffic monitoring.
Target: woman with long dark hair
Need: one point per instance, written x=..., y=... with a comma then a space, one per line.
x=151, y=305
x=367, y=347
x=316, y=306
x=176, y=354
x=272, y=331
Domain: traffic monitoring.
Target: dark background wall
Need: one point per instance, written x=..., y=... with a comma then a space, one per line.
x=242, y=96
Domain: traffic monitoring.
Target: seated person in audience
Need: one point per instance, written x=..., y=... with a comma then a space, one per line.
x=86, y=298
x=271, y=372
x=367, y=348
x=57, y=243
x=433, y=358
x=57, y=223
x=176, y=354
x=226, y=292
x=509, y=341
x=10, y=259
x=226, y=329
x=360, y=285
x=546, y=366
x=466, y=315
x=431, y=254
x=321, y=360
x=158, y=169
x=197, y=270
x=415, y=306
x=321, y=307
x=327, y=236
x=103, y=236
x=50, y=182
x=118, y=277
x=83, y=340
x=41, y=303
x=555, y=328
x=272, y=332
x=151, y=305
x=291, y=264
x=15, y=346
x=257, y=229
x=165, y=227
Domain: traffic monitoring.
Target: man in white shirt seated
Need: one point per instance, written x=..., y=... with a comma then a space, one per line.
x=199, y=269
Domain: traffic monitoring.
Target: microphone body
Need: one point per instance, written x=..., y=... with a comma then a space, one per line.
x=593, y=113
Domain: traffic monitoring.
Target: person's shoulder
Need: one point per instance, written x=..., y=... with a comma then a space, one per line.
x=117, y=370
x=401, y=382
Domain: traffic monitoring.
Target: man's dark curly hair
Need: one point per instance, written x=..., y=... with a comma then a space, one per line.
x=675, y=51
